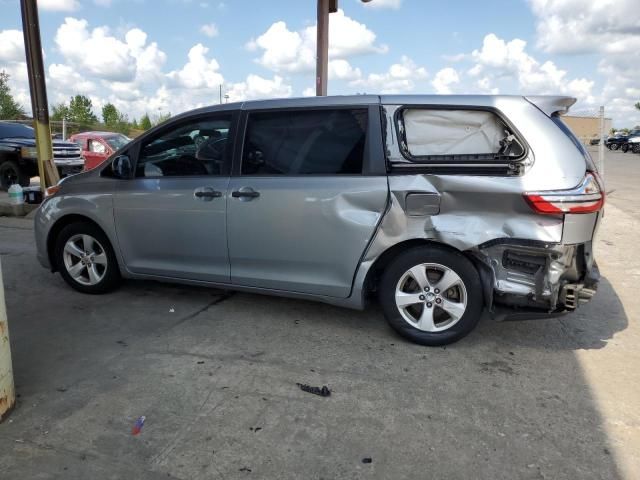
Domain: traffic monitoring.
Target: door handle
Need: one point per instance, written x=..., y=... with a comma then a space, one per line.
x=245, y=192
x=207, y=193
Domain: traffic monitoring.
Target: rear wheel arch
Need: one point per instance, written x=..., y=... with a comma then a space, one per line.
x=57, y=227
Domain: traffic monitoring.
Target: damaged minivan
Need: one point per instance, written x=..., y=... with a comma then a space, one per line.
x=439, y=207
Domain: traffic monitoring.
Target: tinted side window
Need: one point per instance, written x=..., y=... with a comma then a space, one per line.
x=305, y=142
x=187, y=149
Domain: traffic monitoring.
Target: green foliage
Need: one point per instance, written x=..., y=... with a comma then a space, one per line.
x=81, y=111
x=145, y=122
x=58, y=112
x=163, y=117
x=9, y=108
x=637, y=105
x=110, y=114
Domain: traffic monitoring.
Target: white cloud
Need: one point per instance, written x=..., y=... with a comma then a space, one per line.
x=63, y=78
x=257, y=87
x=401, y=77
x=585, y=26
x=499, y=59
x=284, y=50
x=209, y=29
x=309, y=92
x=607, y=28
x=382, y=3
x=59, y=5
x=11, y=46
x=342, y=70
x=198, y=72
x=444, y=80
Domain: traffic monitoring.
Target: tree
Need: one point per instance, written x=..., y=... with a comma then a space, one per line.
x=637, y=105
x=145, y=122
x=162, y=117
x=110, y=115
x=81, y=111
x=59, y=112
x=9, y=108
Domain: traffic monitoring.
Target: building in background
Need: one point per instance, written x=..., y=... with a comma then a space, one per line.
x=586, y=128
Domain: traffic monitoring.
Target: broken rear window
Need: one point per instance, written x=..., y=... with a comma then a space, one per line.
x=439, y=136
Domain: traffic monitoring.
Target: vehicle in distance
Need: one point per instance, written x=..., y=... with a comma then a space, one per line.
x=438, y=206
x=18, y=156
x=98, y=146
x=616, y=141
x=631, y=142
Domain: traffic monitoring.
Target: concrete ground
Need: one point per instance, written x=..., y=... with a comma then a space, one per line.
x=215, y=376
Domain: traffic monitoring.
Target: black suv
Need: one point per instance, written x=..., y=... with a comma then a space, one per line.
x=18, y=159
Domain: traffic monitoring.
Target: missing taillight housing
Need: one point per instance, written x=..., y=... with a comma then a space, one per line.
x=588, y=197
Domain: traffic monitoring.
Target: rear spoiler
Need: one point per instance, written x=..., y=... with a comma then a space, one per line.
x=551, y=105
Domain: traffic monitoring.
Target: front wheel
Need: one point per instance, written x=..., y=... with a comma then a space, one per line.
x=614, y=146
x=85, y=259
x=431, y=295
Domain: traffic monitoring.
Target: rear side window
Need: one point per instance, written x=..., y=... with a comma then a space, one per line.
x=325, y=142
x=456, y=136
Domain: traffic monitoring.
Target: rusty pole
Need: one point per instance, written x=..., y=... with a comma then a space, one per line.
x=325, y=7
x=7, y=389
x=38, y=89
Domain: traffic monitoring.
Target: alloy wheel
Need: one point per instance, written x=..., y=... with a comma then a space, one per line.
x=85, y=259
x=431, y=297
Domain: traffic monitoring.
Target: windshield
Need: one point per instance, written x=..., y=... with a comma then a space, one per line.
x=117, y=141
x=15, y=130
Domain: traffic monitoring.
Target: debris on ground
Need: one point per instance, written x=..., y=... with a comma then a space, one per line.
x=137, y=428
x=171, y=310
x=367, y=460
x=322, y=392
x=245, y=469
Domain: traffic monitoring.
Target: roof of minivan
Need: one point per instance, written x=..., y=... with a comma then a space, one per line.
x=548, y=104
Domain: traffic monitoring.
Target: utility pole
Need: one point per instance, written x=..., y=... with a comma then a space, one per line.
x=325, y=7
x=38, y=89
x=601, y=144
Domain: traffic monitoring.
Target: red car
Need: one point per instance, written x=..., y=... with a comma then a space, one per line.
x=98, y=146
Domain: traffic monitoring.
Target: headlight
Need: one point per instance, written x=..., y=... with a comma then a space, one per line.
x=29, y=152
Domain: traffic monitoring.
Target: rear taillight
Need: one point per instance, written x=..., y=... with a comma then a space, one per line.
x=588, y=197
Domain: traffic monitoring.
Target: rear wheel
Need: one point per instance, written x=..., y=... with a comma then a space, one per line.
x=85, y=259
x=431, y=295
x=11, y=173
x=636, y=148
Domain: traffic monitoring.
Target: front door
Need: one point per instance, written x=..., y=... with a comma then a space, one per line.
x=303, y=207
x=171, y=217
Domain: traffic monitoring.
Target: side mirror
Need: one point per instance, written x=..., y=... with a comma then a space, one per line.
x=121, y=166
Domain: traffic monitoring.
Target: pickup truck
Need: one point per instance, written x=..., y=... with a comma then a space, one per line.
x=98, y=146
x=18, y=159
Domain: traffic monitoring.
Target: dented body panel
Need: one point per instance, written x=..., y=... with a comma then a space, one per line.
x=326, y=237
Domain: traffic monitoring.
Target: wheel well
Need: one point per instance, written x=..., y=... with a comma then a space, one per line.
x=381, y=263
x=57, y=228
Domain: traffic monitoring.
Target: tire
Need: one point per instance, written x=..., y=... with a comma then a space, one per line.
x=614, y=146
x=10, y=173
x=439, y=326
x=636, y=148
x=94, y=274
x=624, y=148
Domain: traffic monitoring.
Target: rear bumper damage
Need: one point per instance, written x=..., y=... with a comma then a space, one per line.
x=530, y=279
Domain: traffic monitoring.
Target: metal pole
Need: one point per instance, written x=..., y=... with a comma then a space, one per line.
x=7, y=388
x=37, y=87
x=322, y=54
x=601, y=144
x=220, y=94
x=64, y=128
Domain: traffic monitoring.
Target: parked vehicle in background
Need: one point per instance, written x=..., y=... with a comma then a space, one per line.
x=595, y=141
x=616, y=141
x=634, y=144
x=630, y=141
x=98, y=146
x=18, y=156
x=439, y=206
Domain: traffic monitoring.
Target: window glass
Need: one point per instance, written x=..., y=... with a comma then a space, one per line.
x=96, y=146
x=194, y=148
x=117, y=141
x=456, y=133
x=305, y=142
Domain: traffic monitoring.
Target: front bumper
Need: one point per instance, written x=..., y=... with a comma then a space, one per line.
x=69, y=166
x=526, y=280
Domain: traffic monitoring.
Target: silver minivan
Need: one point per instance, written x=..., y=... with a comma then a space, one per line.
x=441, y=207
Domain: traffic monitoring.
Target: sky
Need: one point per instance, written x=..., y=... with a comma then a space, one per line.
x=169, y=56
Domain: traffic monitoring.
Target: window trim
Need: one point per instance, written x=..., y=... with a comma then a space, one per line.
x=423, y=162
x=373, y=161
x=134, y=150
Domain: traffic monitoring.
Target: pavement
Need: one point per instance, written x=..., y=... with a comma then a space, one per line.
x=215, y=376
